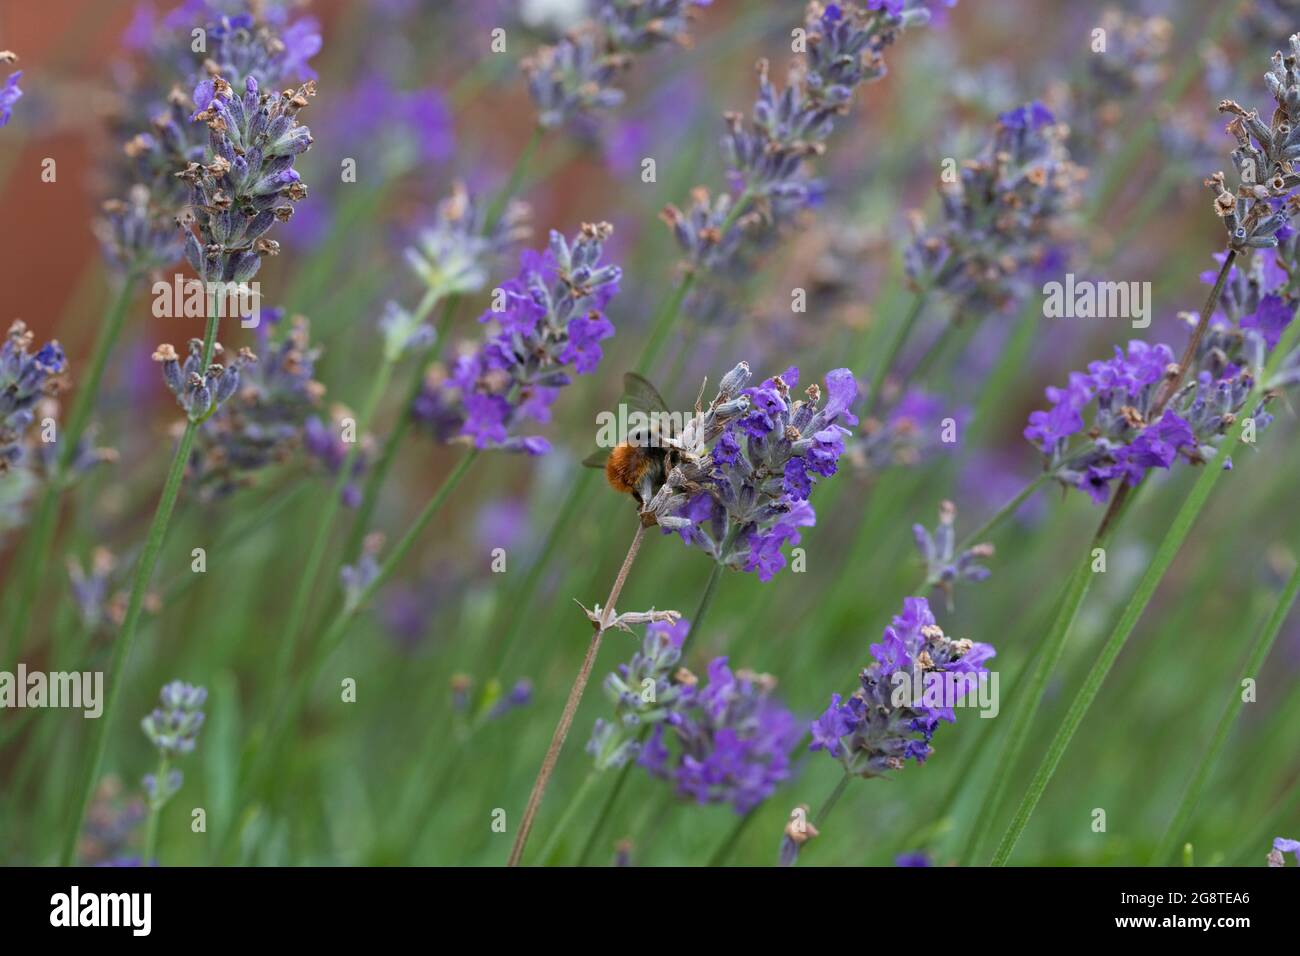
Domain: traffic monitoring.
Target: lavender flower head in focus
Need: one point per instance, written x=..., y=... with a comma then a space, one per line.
x=726, y=741
x=745, y=499
x=551, y=317
x=879, y=727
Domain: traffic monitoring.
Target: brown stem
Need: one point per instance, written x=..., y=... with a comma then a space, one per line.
x=1189, y=354
x=571, y=705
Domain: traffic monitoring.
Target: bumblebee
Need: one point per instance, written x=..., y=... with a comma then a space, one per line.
x=640, y=464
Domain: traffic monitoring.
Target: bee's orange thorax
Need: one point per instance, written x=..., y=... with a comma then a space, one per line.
x=625, y=467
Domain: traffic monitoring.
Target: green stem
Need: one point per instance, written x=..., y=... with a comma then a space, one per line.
x=1196, y=784
x=337, y=630
x=325, y=524
x=663, y=325
x=1163, y=558
x=701, y=609
x=26, y=581
x=571, y=704
x=155, y=811
x=378, y=473
x=135, y=605
x=575, y=803
x=901, y=334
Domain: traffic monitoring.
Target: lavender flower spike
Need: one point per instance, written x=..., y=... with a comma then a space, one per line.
x=724, y=741
x=745, y=498
x=25, y=377
x=943, y=566
x=548, y=319
x=918, y=677
x=247, y=182
x=1004, y=218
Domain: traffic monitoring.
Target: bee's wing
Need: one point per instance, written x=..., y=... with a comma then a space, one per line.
x=596, y=459
x=638, y=393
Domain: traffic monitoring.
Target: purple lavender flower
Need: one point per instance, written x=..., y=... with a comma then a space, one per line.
x=453, y=254
x=643, y=692
x=1129, y=433
x=1007, y=212
x=9, y=95
x=749, y=495
x=916, y=858
x=25, y=377
x=551, y=317
x=767, y=157
x=943, y=566
x=574, y=80
x=918, y=677
x=324, y=442
x=519, y=695
x=263, y=423
x=111, y=822
x=246, y=42
x=247, y=182
x=727, y=741
x=174, y=727
x=1282, y=845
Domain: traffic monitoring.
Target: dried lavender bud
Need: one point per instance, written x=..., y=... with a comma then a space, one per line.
x=641, y=25
x=174, y=727
x=944, y=567
x=1282, y=845
x=1003, y=220
x=745, y=498
x=574, y=78
x=199, y=391
x=24, y=379
x=452, y=255
x=725, y=741
x=246, y=181
x=1263, y=161
x=552, y=317
x=879, y=728
x=264, y=421
x=9, y=95
x=252, y=44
